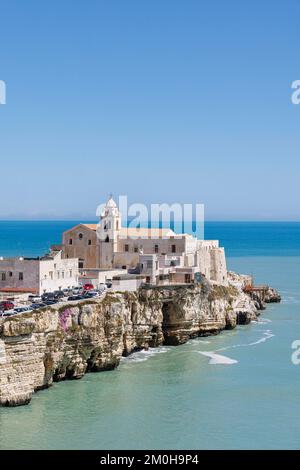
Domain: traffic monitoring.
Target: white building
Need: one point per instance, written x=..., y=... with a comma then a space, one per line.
x=38, y=275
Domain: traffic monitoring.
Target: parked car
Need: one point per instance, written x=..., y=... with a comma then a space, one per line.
x=34, y=298
x=76, y=297
x=22, y=309
x=67, y=292
x=90, y=294
x=6, y=305
x=7, y=313
x=51, y=302
x=49, y=296
x=88, y=286
x=58, y=294
x=76, y=289
x=102, y=288
x=35, y=306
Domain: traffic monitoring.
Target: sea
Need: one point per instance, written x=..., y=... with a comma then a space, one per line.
x=237, y=390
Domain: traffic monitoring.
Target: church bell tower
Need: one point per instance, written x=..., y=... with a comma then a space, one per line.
x=108, y=232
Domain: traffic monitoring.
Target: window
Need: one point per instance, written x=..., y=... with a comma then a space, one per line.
x=156, y=265
x=126, y=248
x=10, y=274
x=149, y=264
x=51, y=275
x=123, y=267
x=155, y=248
x=70, y=241
x=81, y=263
x=71, y=273
x=136, y=249
x=21, y=276
x=3, y=276
x=107, y=239
x=80, y=236
x=117, y=225
x=173, y=248
x=58, y=274
x=90, y=242
x=63, y=275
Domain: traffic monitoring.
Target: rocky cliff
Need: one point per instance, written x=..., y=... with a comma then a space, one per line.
x=67, y=341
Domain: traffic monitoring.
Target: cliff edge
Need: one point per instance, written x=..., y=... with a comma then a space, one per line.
x=68, y=340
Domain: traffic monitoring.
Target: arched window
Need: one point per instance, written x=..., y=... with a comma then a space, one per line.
x=107, y=239
x=80, y=236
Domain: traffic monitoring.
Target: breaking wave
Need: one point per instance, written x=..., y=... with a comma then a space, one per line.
x=198, y=340
x=263, y=321
x=143, y=355
x=267, y=334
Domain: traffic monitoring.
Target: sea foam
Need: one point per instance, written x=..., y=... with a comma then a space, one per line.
x=143, y=355
x=218, y=358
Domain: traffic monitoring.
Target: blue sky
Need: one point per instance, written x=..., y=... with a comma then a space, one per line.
x=165, y=101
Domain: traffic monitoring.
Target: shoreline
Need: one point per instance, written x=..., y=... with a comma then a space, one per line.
x=67, y=341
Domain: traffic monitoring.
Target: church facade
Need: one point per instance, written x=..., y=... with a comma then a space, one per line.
x=159, y=254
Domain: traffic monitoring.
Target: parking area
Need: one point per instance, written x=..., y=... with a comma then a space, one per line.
x=33, y=302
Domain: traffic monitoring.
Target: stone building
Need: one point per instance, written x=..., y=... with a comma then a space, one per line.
x=38, y=275
x=155, y=252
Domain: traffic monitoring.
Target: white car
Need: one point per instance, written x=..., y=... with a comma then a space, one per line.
x=7, y=313
x=22, y=309
x=34, y=299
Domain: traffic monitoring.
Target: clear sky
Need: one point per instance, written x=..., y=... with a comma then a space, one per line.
x=162, y=100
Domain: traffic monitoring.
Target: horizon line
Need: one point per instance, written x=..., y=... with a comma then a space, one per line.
x=155, y=221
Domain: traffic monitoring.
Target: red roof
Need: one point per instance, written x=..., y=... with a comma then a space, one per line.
x=18, y=290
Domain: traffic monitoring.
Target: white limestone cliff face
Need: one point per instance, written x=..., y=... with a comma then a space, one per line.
x=67, y=341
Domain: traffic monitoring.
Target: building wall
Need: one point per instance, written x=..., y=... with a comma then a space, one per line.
x=41, y=275
x=203, y=261
x=11, y=268
x=83, y=247
x=106, y=255
x=58, y=274
x=147, y=245
x=149, y=267
x=97, y=277
x=218, y=271
x=130, y=260
x=130, y=285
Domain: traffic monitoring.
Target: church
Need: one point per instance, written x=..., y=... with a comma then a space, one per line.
x=160, y=255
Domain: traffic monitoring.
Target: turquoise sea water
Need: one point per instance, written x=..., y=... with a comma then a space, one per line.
x=246, y=397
